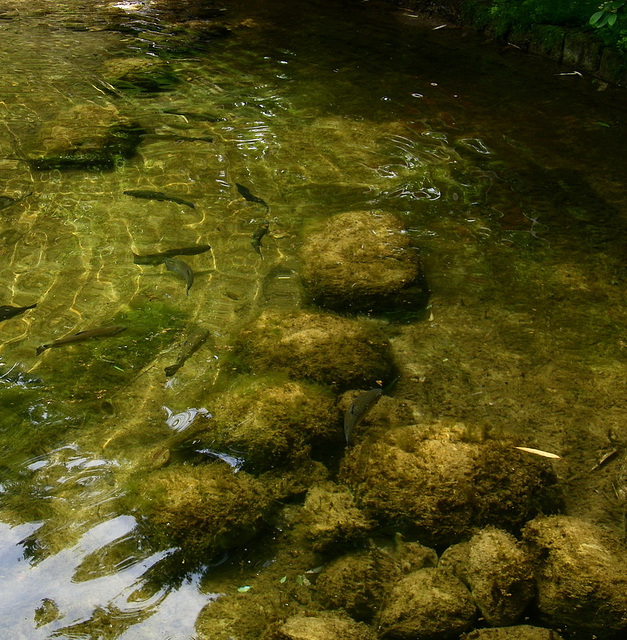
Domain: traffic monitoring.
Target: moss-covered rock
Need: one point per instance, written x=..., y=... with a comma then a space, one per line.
x=519, y=632
x=324, y=348
x=87, y=136
x=140, y=74
x=357, y=581
x=440, y=486
x=429, y=604
x=323, y=626
x=581, y=575
x=206, y=507
x=363, y=261
x=500, y=576
x=270, y=422
x=330, y=519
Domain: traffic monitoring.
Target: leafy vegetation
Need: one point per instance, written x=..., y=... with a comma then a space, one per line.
x=608, y=19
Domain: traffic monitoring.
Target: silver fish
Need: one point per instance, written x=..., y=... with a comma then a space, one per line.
x=81, y=336
x=358, y=409
x=194, y=340
x=183, y=269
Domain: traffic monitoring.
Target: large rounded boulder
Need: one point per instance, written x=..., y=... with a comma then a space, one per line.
x=581, y=575
x=206, y=507
x=363, y=261
x=321, y=347
x=266, y=423
x=429, y=604
x=440, y=487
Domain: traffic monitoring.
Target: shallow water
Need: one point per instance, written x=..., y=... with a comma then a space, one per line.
x=508, y=171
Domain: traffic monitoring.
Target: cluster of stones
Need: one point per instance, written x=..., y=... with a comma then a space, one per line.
x=477, y=501
x=570, y=573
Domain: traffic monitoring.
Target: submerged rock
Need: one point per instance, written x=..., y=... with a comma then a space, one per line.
x=269, y=423
x=323, y=626
x=581, y=575
x=87, y=136
x=440, y=487
x=363, y=261
x=324, y=348
x=356, y=582
x=207, y=507
x=497, y=570
x=429, y=604
x=520, y=632
x=330, y=518
x=140, y=74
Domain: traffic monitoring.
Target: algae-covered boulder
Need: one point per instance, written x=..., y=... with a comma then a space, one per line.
x=206, y=507
x=363, y=261
x=140, y=74
x=331, y=519
x=324, y=348
x=440, y=486
x=519, y=632
x=500, y=576
x=323, y=626
x=429, y=604
x=268, y=423
x=357, y=581
x=581, y=575
x=87, y=136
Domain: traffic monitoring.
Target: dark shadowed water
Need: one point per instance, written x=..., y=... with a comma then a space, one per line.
x=508, y=170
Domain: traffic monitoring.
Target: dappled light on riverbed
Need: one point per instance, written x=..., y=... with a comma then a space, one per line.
x=220, y=226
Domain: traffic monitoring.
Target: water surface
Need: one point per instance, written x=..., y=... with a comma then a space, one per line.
x=508, y=171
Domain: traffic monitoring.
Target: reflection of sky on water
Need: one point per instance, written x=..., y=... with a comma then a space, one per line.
x=54, y=578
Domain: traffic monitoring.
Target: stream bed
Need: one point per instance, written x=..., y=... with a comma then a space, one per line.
x=132, y=129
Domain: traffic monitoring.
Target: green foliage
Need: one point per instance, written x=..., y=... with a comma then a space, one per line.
x=533, y=12
x=607, y=14
x=609, y=18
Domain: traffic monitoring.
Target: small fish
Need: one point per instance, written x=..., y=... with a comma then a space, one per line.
x=192, y=343
x=247, y=195
x=183, y=269
x=7, y=311
x=191, y=115
x=159, y=258
x=81, y=336
x=148, y=194
x=358, y=410
x=7, y=201
x=255, y=239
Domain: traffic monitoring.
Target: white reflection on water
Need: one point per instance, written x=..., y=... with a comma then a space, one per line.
x=28, y=585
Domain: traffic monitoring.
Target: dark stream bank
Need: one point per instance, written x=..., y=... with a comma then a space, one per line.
x=258, y=213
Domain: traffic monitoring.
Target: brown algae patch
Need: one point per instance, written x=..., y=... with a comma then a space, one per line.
x=323, y=348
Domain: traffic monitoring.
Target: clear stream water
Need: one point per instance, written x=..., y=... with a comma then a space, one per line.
x=508, y=170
